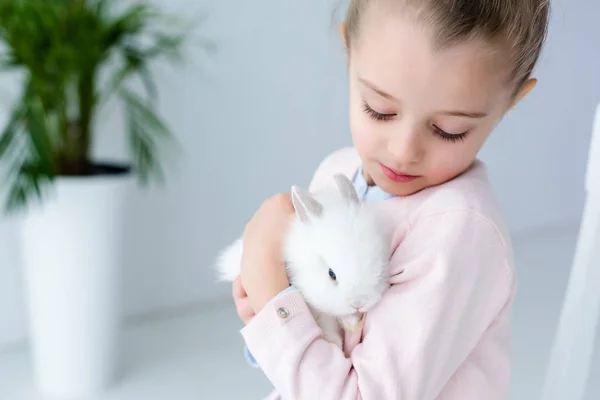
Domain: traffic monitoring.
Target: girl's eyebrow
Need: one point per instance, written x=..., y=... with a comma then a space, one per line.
x=378, y=91
x=468, y=114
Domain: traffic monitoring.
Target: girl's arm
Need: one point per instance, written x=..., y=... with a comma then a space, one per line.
x=443, y=308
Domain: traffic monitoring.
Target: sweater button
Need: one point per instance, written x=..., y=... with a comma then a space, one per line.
x=283, y=313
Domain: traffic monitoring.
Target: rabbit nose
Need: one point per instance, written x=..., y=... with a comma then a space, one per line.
x=357, y=305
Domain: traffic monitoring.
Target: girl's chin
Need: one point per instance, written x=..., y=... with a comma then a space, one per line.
x=400, y=189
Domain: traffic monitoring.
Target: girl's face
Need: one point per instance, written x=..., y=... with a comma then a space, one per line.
x=419, y=116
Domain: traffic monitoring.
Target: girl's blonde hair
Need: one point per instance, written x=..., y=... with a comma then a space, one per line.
x=520, y=26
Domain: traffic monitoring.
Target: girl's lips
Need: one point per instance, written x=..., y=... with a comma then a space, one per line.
x=397, y=176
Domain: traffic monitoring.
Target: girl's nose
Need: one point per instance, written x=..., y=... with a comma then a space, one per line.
x=406, y=147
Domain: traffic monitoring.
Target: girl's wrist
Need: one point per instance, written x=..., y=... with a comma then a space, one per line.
x=272, y=284
x=268, y=294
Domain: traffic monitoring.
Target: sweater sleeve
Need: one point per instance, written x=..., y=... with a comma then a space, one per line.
x=455, y=280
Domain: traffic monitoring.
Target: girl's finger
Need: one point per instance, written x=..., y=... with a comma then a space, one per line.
x=238, y=290
x=244, y=310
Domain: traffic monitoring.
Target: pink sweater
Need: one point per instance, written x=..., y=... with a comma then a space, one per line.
x=442, y=330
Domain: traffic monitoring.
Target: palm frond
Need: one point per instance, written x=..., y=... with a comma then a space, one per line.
x=39, y=133
x=11, y=130
x=146, y=114
x=132, y=22
x=136, y=63
x=8, y=61
x=29, y=179
x=168, y=46
x=146, y=131
x=148, y=82
x=30, y=161
x=133, y=64
x=63, y=46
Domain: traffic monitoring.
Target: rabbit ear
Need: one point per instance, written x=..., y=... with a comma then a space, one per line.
x=305, y=204
x=346, y=188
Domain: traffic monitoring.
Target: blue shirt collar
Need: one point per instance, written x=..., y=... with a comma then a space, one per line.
x=368, y=193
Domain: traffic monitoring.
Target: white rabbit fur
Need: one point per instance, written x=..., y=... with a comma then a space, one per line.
x=332, y=230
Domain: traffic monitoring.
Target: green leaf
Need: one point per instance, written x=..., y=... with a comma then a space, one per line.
x=168, y=46
x=145, y=131
x=114, y=84
x=143, y=149
x=29, y=180
x=148, y=82
x=101, y=7
x=17, y=197
x=10, y=132
x=8, y=62
x=35, y=173
x=135, y=64
x=58, y=44
x=131, y=22
x=146, y=116
x=39, y=133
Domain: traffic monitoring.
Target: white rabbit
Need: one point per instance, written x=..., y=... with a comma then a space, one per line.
x=336, y=254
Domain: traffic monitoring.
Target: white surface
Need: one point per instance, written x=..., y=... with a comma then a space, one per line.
x=572, y=351
x=187, y=358
x=199, y=356
x=72, y=259
x=277, y=89
x=592, y=183
x=13, y=322
x=571, y=356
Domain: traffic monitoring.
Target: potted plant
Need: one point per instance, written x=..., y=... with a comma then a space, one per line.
x=74, y=56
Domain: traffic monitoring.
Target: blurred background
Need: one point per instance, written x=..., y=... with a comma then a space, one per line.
x=258, y=115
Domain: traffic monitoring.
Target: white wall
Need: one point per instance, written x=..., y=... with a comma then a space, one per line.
x=260, y=115
x=538, y=155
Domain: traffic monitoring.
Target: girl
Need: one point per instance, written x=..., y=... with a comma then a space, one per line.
x=429, y=80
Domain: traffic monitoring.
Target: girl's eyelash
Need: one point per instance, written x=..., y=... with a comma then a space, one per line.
x=449, y=136
x=439, y=132
x=375, y=115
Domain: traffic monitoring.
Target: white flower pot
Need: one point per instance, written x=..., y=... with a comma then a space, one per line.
x=72, y=259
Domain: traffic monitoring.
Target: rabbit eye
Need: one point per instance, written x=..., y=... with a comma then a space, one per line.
x=332, y=274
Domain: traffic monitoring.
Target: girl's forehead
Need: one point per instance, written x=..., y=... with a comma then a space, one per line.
x=398, y=56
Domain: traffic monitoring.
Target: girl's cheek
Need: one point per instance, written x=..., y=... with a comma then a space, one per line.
x=442, y=173
x=360, y=139
x=365, y=134
x=448, y=160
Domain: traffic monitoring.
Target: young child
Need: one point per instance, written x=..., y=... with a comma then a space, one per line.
x=429, y=80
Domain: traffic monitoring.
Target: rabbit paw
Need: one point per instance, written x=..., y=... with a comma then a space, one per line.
x=333, y=337
x=352, y=323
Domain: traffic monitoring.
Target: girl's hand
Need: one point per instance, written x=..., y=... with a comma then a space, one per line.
x=242, y=302
x=263, y=271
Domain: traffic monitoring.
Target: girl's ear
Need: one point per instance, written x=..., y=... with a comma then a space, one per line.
x=343, y=34
x=307, y=208
x=525, y=89
x=346, y=188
